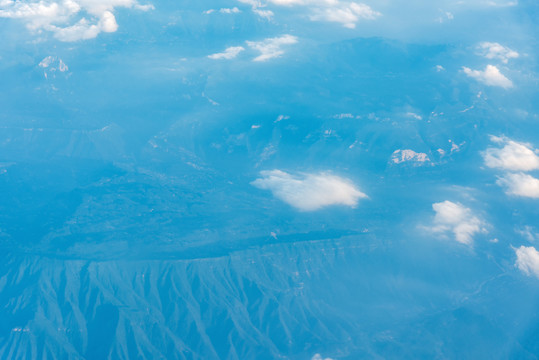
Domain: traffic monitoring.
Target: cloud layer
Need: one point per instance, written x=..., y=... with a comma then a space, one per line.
x=68, y=20
x=309, y=192
x=528, y=260
x=455, y=218
x=491, y=76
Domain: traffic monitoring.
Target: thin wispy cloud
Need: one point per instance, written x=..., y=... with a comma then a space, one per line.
x=229, y=53
x=347, y=13
x=272, y=47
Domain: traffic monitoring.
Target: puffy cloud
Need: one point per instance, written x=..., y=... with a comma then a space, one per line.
x=309, y=192
x=400, y=156
x=455, y=218
x=491, y=76
x=229, y=53
x=528, y=260
x=60, y=18
x=492, y=50
x=271, y=48
x=520, y=184
x=513, y=156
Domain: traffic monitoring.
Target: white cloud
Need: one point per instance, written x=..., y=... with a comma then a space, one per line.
x=348, y=14
x=266, y=14
x=520, y=184
x=400, y=156
x=271, y=48
x=529, y=233
x=309, y=192
x=528, y=260
x=414, y=115
x=229, y=53
x=52, y=64
x=319, y=357
x=63, y=18
x=513, y=156
x=233, y=10
x=502, y=4
x=492, y=50
x=455, y=218
x=255, y=7
x=491, y=76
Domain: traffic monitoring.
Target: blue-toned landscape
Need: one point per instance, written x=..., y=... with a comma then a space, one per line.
x=273, y=179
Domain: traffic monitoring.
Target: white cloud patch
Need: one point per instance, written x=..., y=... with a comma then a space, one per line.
x=233, y=10
x=266, y=14
x=520, y=184
x=229, y=53
x=319, y=357
x=255, y=7
x=512, y=156
x=528, y=260
x=346, y=13
x=414, y=115
x=457, y=219
x=271, y=48
x=52, y=63
x=68, y=20
x=502, y=3
x=491, y=76
x=492, y=50
x=309, y=192
x=529, y=233
x=400, y=156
